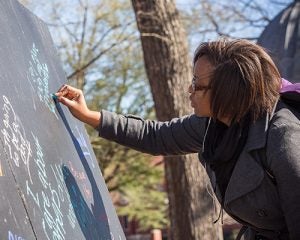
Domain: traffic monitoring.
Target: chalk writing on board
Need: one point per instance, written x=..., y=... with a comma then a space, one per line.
x=15, y=140
x=113, y=237
x=12, y=236
x=85, y=217
x=38, y=77
x=47, y=198
x=61, y=189
x=81, y=178
x=50, y=196
x=71, y=216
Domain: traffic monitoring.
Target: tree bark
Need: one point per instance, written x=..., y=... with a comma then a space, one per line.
x=168, y=68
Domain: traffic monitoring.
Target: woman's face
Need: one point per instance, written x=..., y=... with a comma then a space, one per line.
x=200, y=98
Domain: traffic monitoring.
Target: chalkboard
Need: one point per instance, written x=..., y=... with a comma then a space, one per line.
x=50, y=184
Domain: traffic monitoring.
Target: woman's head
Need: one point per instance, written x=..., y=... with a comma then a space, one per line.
x=240, y=76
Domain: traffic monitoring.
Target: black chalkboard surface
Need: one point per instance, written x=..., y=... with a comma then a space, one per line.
x=50, y=183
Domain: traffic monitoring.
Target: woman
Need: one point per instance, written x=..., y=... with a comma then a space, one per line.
x=238, y=124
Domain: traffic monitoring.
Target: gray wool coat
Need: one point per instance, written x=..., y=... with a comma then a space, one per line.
x=251, y=197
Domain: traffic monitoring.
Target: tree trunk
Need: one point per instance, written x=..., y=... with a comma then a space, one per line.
x=169, y=71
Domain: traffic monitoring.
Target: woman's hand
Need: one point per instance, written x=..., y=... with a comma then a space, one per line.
x=73, y=98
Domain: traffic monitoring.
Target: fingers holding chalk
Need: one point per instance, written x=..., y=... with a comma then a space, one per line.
x=73, y=98
x=68, y=92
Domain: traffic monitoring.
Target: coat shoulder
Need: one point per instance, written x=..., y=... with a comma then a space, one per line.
x=285, y=116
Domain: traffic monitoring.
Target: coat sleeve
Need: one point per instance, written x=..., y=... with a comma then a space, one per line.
x=283, y=156
x=175, y=137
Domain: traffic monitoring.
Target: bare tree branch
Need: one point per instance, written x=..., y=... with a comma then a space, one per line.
x=91, y=61
x=98, y=43
x=113, y=174
x=108, y=31
x=58, y=17
x=82, y=33
x=94, y=59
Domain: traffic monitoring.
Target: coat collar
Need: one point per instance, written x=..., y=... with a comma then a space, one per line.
x=248, y=172
x=257, y=134
x=247, y=176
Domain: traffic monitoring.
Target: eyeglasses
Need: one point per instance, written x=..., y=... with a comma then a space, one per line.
x=198, y=87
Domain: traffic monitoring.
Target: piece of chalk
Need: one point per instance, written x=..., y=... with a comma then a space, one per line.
x=53, y=96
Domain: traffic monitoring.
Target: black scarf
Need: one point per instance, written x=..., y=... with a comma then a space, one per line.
x=222, y=147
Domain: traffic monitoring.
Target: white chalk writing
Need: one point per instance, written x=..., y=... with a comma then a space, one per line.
x=12, y=236
x=48, y=198
x=38, y=77
x=61, y=188
x=15, y=140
